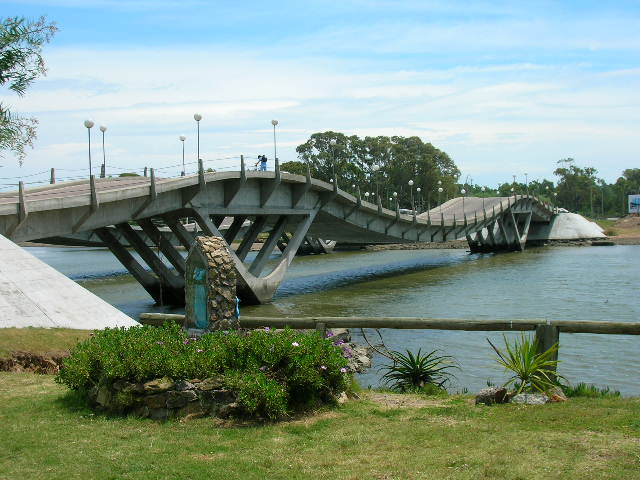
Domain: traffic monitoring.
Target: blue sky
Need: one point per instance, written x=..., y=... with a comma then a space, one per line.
x=504, y=87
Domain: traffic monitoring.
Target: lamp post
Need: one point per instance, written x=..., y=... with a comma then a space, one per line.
x=89, y=124
x=103, y=171
x=439, y=195
x=526, y=182
x=463, y=191
x=182, y=139
x=483, y=189
x=420, y=204
x=375, y=169
x=413, y=207
x=333, y=143
x=366, y=196
x=275, y=152
x=555, y=201
x=197, y=117
x=395, y=197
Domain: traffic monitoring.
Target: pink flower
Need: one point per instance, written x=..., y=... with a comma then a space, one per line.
x=323, y=367
x=267, y=329
x=343, y=370
x=199, y=350
x=295, y=344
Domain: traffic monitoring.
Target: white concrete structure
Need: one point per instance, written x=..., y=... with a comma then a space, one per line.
x=33, y=294
x=567, y=226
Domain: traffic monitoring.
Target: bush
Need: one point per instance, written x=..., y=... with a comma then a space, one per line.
x=271, y=372
x=532, y=371
x=418, y=373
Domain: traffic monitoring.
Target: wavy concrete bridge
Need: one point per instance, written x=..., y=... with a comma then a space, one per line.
x=290, y=207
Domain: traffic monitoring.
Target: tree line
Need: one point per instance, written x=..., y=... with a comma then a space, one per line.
x=383, y=166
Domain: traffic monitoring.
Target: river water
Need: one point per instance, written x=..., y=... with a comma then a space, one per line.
x=564, y=283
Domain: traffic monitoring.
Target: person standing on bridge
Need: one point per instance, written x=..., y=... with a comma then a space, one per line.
x=262, y=160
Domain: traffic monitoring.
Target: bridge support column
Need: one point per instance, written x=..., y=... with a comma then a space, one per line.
x=172, y=284
x=148, y=281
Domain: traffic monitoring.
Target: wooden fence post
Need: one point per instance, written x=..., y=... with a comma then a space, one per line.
x=547, y=336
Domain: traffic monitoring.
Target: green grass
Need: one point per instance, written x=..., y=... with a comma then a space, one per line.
x=46, y=434
x=591, y=391
x=39, y=340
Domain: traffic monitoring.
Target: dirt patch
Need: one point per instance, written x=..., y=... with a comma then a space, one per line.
x=404, y=400
x=627, y=229
x=48, y=363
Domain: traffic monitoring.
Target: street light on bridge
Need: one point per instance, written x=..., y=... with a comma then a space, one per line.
x=440, y=190
x=275, y=152
x=103, y=171
x=483, y=189
x=197, y=117
x=463, y=191
x=89, y=124
x=420, y=203
x=182, y=139
x=413, y=208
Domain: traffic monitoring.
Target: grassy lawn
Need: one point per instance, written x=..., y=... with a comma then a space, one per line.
x=39, y=340
x=45, y=433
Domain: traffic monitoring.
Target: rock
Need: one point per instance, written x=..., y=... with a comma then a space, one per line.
x=103, y=397
x=156, y=401
x=227, y=410
x=180, y=399
x=141, y=411
x=211, y=383
x=492, y=395
x=158, y=385
x=182, y=385
x=128, y=387
x=192, y=410
x=556, y=395
x=530, y=398
x=159, y=414
x=342, y=398
x=223, y=396
x=339, y=334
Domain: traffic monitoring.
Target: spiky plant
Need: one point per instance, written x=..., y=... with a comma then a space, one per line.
x=414, y=372
x=532, y=371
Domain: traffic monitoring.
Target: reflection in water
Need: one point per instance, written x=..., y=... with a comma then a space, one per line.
x=558, y=283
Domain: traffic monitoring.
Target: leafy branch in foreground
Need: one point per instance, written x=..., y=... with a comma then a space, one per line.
x=532, y=371
x=21, y=63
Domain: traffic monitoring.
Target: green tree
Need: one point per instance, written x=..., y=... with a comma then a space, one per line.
x=382, y=164
x=575, y=185
x=21, y=63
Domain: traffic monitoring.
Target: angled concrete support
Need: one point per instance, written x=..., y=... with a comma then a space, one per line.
x=232, y=232
x=172, y=284
x=267, y=247
x=148, y=281
x=165, y=246
x=185, y=237
x=250, y=237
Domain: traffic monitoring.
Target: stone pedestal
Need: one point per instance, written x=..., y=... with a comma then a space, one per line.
x=210, y=286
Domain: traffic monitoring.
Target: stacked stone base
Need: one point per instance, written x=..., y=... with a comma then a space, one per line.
x=164, y=398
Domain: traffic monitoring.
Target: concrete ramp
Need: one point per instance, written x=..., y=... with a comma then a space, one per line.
x=33, y=294
x=566, y=226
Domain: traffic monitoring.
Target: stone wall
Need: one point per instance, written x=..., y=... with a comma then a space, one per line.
x=164, y=398
x=212, y=254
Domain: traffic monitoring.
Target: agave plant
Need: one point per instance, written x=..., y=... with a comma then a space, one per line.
x=412, y=372
x=532, y=371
